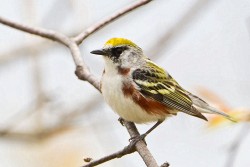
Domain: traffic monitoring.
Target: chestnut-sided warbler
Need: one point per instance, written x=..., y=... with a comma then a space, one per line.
x=140, y=91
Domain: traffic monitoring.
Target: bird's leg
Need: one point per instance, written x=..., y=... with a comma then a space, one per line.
x=153, y=127
x=142, y=136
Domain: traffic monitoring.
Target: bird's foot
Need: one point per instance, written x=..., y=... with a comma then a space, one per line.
x=135, y=139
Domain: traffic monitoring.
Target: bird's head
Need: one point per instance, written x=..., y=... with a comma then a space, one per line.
x=120, y=53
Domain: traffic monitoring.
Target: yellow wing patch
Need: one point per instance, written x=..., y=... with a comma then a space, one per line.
x=164, y=91
x=145, y=83
x=120, y=41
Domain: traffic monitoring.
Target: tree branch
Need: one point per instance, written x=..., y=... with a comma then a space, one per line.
x=82, y=70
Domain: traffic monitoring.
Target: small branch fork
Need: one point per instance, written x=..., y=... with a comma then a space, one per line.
x=83, y=73
x=139, y=146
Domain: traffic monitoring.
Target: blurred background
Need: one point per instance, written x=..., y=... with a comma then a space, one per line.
x=50, y=118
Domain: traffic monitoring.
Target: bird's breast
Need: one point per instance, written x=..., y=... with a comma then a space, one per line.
x=112, y=89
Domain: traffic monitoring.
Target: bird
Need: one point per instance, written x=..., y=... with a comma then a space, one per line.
x=140, y=91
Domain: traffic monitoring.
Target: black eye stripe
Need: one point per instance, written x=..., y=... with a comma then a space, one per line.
x=117, y=51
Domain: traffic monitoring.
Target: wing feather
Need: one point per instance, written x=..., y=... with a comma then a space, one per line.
x=157, y=84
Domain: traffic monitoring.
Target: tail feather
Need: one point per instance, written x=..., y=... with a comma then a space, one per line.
x=203, y=107
x=194, y=112
x=212, y=110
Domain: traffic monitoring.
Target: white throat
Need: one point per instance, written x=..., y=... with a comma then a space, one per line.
x=110, y=67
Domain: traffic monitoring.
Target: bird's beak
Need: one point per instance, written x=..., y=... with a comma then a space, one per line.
x=99, y=52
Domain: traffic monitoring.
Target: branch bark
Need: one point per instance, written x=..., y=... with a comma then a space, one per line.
x=82, y=71
x=140, y=146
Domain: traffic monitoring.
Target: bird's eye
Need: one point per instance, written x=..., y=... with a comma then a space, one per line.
x=117, y=51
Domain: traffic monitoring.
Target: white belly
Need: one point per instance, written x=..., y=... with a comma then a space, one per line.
x=123, y=106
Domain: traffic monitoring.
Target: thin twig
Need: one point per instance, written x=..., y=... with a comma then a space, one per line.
x=79, y=38
x=126, y=150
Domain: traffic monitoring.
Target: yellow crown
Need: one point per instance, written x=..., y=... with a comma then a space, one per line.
x=120, y=41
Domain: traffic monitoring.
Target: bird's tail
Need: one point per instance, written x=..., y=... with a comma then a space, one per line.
x=203, y=107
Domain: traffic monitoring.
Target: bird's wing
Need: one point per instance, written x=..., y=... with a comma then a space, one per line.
x=156, y=84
